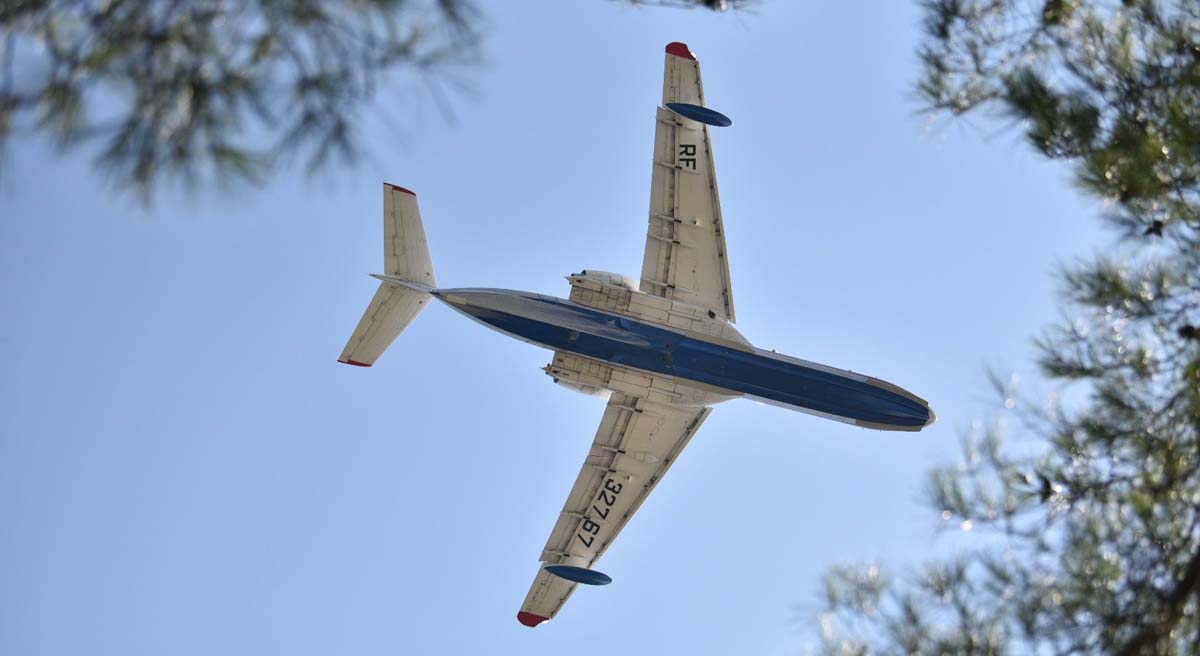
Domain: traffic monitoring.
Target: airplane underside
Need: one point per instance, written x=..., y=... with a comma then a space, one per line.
x=736, y=369
x=662, y=347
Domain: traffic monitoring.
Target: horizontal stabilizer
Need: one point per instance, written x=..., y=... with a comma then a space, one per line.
x=405, y=251
x=393, y=280
x=389, y=313
x=404, y=290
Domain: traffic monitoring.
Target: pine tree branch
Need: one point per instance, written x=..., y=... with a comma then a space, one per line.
x=1146, y=640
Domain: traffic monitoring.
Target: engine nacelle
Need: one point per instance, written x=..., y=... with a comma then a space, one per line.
x=596, y=378
x=580, y=374
x=582, y=388
x=616, y=293
x=605, y=278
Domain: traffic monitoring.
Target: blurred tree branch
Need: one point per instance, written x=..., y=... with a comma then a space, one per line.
x=715, y=5
x=217, y=89
x=1096, y=535
x=213, y=88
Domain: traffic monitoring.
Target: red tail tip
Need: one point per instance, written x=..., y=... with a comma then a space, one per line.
x=680, y=50
x=531, y=620
x=401, y=189
x=354, y=362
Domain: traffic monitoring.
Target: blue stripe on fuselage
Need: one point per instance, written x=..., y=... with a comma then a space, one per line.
x=566, y=326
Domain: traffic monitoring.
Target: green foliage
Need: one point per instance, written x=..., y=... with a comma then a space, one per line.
x=214, y=88
x=1093, y=523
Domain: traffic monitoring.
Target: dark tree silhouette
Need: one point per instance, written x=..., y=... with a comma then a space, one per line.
x=1093, y=544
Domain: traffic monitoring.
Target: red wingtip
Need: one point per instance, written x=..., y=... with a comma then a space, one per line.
x=354, y=362
x=401, y=189
x=680, y=50
x=531, y=620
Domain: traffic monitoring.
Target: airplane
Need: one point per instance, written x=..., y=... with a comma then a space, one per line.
x=663, y=349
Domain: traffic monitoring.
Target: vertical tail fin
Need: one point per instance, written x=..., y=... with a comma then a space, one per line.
x=402, y=292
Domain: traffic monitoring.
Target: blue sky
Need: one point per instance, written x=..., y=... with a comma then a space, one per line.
x=185, y=469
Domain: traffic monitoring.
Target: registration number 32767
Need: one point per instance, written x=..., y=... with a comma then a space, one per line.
x=601, y=507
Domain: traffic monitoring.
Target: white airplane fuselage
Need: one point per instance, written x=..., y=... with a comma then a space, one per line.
x=738, y=369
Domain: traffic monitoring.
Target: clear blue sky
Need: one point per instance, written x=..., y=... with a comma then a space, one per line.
x=185, y=469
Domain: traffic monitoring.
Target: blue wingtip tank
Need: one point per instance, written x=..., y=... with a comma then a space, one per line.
x=579, y=574
x=702, y=114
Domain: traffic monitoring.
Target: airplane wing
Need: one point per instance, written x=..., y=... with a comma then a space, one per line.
x=685, y=256
x=637, y=441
